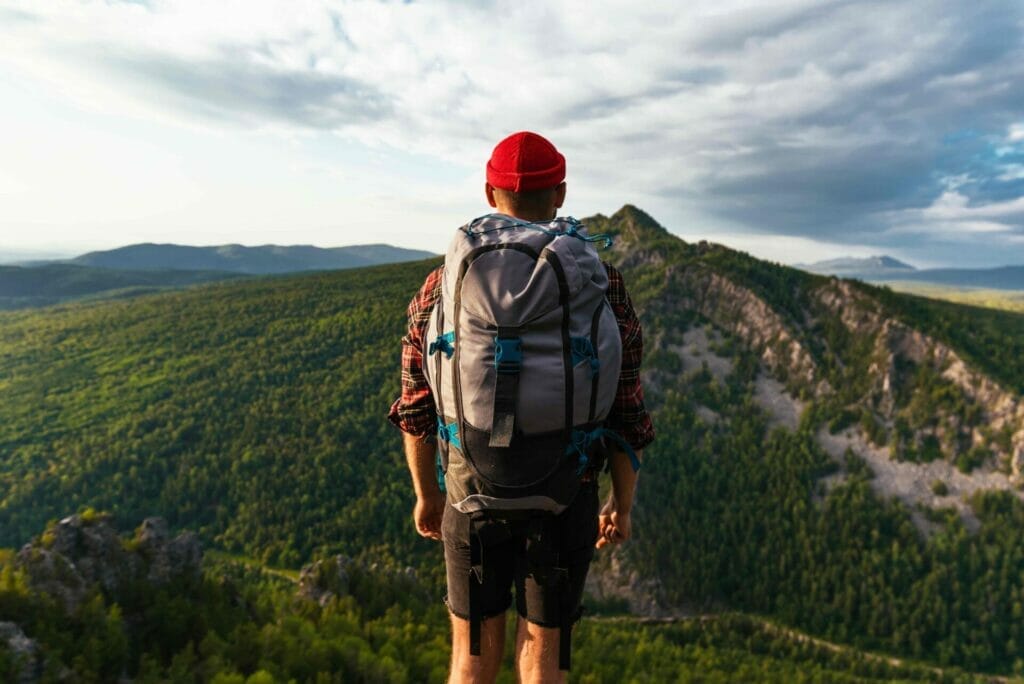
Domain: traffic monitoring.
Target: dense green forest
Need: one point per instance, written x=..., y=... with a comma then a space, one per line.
x=240, y=624
x=253, y=412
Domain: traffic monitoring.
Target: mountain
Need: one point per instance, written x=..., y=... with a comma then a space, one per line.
x=32, y=286
x=854, y=267
x=836, y=456
x=885, y=268
x=242, y=259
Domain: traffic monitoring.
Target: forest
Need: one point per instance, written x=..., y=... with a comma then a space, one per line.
x=243, y=624
x=253, y=413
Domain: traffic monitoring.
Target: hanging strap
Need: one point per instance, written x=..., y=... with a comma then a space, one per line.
x=565, y=640
x=482, y=533
x=476, y=581
x=439, y=464
x=508, y=360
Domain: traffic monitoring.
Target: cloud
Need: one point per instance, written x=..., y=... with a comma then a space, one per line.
x=831, y=120
x=238, y=89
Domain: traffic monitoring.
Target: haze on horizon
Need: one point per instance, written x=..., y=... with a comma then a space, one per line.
x=798, y=131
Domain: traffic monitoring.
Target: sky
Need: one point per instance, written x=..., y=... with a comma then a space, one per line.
x=796, y=130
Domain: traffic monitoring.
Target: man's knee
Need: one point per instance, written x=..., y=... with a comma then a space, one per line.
x=482, y=668
x=537, y=650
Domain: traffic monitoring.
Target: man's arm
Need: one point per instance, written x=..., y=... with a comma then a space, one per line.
x=628, y=417
x=420, y=456
x=415, y=415
x=615, y=520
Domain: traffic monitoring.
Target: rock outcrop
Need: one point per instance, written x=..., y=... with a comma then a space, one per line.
x=895, y=341
x=83, y=552
x=325, y=579
x=26, y=653
x=740, y=311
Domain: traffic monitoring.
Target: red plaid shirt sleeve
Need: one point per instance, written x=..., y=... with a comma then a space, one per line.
x=629, y=416
x=414, y=412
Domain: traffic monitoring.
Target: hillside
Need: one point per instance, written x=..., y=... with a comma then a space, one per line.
x=158, y=614
x=805, y=426
x=244, y=259
x=24, y=287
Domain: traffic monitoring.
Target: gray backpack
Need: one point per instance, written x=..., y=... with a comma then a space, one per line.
x=523, y=363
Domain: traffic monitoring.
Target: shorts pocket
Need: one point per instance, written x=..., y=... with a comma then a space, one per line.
x=455, y=528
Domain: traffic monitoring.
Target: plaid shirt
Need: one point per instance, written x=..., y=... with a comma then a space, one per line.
x=414, y=412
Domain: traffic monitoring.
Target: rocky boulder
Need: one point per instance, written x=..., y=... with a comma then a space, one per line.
x=325, y=579
x=83, y=552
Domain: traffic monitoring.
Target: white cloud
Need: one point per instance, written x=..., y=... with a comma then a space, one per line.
x=818, y=120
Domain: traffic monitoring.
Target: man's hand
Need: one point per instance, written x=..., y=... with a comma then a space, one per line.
x=613, y=526
x=427, y=515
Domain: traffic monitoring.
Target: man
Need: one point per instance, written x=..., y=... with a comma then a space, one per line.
x=525, y=183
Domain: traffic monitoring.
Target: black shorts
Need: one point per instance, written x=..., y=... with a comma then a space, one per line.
x=544, y=595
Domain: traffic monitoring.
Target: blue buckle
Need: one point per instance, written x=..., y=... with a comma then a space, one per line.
x=583, y=350
x=449, y=433
x=443, y=343
x=508, y=354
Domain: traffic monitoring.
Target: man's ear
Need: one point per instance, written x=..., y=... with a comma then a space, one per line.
x=489, y=191
x=560, y=195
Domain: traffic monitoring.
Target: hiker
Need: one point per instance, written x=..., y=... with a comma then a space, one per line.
x=520, y=382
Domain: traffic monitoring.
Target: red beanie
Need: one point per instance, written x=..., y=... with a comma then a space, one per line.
x=525, y=161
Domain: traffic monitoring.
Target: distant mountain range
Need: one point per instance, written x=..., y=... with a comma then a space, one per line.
x=253, y=260
x=882, y=268
x=144, y=268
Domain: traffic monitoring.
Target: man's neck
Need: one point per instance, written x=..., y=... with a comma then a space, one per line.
x=537, y=217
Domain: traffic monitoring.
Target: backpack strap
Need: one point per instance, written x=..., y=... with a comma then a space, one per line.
x=582, y=439
x=482, y=533
x=508, y=360
x=476, y=581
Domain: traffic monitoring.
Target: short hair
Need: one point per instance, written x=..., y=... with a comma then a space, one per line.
x=531, y=201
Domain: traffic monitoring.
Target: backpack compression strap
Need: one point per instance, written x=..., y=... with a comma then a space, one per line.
x=508, y=359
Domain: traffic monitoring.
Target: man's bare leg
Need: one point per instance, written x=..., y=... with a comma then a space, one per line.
x=537, y=654
x=483, y=669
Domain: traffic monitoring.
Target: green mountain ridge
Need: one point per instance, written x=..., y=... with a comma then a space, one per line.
x=260, y=259
x=253, y=413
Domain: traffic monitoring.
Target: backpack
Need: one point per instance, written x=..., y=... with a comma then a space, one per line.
x=523, y=363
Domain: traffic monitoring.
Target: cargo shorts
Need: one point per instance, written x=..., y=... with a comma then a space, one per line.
x=548, y=586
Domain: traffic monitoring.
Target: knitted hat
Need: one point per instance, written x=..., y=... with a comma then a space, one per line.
x=525, y=161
